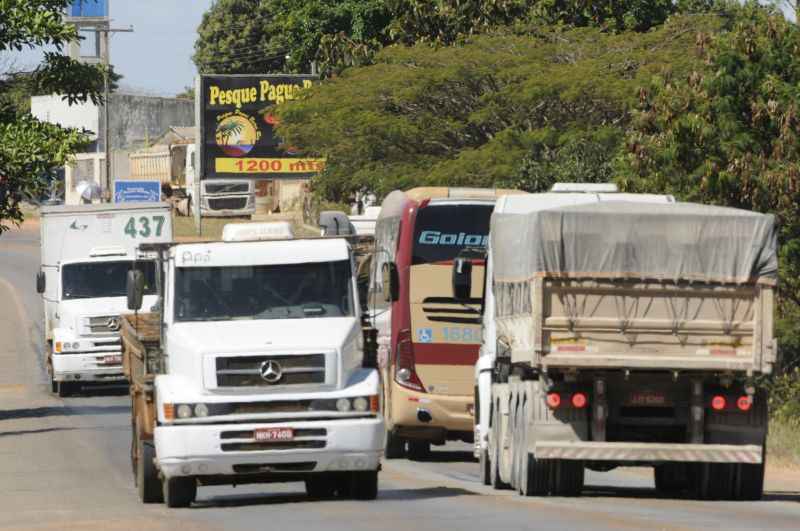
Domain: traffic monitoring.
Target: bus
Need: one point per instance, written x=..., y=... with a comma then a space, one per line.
x=428, y=342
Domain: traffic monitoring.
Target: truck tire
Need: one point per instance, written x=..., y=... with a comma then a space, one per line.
x=494, y=447
x=179, y=492
x=53, y=385
x=516, y=444
x=321, y=487
x=147, y=482
x=419, y=450
x=749, y=482
x=485, y=464
x=713, y=481
x=568, y=477
x=364, y=485
x=395, y=446
x=65, y=389
x=670, y=478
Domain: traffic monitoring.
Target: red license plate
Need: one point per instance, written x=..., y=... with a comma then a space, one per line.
x=112, y=360
x=273, y=434
x=647, y=399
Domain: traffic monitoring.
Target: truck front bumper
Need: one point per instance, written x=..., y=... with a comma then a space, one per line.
x=648, y=452
x=231, y=449
x=88, y=367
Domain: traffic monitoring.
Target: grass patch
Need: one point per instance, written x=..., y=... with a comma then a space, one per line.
x=783, y=442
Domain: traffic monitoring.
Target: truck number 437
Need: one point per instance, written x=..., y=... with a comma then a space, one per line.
x=145, y=227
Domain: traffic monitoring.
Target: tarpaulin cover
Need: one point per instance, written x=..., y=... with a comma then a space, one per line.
x=676, y=242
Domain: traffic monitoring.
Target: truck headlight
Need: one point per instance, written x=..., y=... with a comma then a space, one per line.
x=201, y=410
x=343, y=405
x=184, y=411
x=76, y=346
x=360, y=404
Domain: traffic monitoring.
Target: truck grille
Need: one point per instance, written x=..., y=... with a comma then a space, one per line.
x=244, y=441
x=227, y=188
x=103, y=324
x=269, y=371
x=227, y=203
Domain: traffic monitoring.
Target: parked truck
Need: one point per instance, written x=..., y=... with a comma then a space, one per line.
x=175, y=165
x=86, y=252
x=255, y=368
x=623, y=330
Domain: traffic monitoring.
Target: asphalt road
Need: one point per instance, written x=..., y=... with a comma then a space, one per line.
x=64, y=465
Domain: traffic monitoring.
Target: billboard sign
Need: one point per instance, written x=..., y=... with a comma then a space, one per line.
x=137, y=191
x=237, y=124
x=88, y=8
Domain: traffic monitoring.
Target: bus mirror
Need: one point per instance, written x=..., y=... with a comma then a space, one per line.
x=391, y=287
x=135, y=289
x=462, y=279
x=41, y=282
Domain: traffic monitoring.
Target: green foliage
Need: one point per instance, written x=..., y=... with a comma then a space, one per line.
x=30, y=149
x=728, y=134
x=499, y=109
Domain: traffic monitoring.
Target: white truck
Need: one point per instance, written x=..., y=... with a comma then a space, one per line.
x=623, y=330
x=86, y=252
x=257, y=369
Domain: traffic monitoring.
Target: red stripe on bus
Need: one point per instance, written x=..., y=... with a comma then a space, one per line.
x=445, y=354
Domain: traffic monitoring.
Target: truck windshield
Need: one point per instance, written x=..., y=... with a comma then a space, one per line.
x=442, y=231
x=286, y=291
x=93, y=280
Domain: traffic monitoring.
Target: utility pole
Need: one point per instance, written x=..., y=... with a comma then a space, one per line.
x=106, y=103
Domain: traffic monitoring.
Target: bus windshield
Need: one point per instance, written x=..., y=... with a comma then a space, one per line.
x=442, y=231
x=286, y=291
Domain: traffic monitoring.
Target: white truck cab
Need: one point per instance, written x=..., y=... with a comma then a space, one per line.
x=86, y=253
x=264, y=375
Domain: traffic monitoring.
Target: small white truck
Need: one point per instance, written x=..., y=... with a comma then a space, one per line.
x=623, y=330
x=255, y=370
x=86, y=253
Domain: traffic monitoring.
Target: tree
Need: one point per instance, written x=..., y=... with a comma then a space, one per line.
x=498, y=109
x=729, y=134
x=29, y=149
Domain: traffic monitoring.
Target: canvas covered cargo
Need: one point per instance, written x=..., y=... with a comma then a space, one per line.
x=666, y=242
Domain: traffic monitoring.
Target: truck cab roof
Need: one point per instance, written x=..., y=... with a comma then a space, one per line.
x=227, y=254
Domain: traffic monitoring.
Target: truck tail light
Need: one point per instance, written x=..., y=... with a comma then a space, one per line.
x=579, y=400
x=744, y=403
x=405, y=369
x=553, y=400
x=718, y=403
x=169, y=412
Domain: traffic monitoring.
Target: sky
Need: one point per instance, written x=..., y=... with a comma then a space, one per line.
x=157, y=57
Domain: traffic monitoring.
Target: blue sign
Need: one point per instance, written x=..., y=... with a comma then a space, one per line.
x=137, y=191
x=88, y=8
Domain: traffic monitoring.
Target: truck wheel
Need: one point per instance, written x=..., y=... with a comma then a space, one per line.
x=670, y=478
x=147, y=482
x=364, y=485
x=321, y=487
x=65, y=389
x=179, y=492
x=53, y=385
x=419, y=450
x=494, y=446
x=569, y=477
x=750, y=482
x=395, y=446
x=713, y=481
x=486, y=468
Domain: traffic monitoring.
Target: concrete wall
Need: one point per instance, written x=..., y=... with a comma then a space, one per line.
x=138, y=120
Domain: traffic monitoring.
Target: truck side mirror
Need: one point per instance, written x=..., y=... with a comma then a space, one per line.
x=391, y=282
x=135, y=289
x=462, y=279
x=41, y=282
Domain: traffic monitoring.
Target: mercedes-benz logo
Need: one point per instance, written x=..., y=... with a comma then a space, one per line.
x=113, y=324
x=271, y=371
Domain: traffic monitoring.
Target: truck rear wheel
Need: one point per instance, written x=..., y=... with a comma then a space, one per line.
x=486, y=468
x=569, y=477
x=749, y=482
x=494, y=447
x=713, y=481
x=670, y=478
x=395, y=446
x=364, y=485
x=147, y=482
x=179, y=492
x=418, y=450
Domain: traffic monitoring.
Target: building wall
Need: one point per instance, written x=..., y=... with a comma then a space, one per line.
x=136, y=121
x=54, y=110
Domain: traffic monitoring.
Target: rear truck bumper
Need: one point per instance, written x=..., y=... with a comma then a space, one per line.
x=86, y=367
x=648, y=452
x=447, y=414
x=231, y=450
